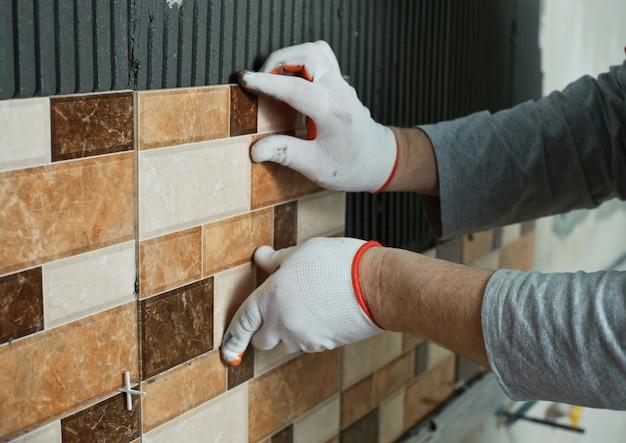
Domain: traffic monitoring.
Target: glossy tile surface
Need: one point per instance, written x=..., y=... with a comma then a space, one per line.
x=50, y=433
x=357, y=400
x=232, y=242
x=267, y=360
x=273, y=183
x=192, y=184
x=231, y=289
x=78, y=286
x=283, y=394
x=176, y=326
x=21, y=304
x=181, y=389
x=364, y=430
x=106, y=421
x=176, y=116
x=364, y=357
x=393, y=376
x=320, y=424
x=243, y=112
x=65, y=209
x=286, y=225
x=275, y=115
x=170, y=261
x=25, y=134
x=54, y=371
x=321, y=215
x=93, y=124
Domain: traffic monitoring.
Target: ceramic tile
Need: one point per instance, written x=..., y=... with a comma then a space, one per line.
x=233, y=241
x=267, y=360
x=176, y=326
x=334, y=439
x=274, y=115
x=192, y=184
x=319, y=425
x=321, y=215
x=357, y=400
x=243, y=112
x=527, y=227
x=410, y=341
x=392, y=376
x=285, y=393
x=510, y=233
x=78, y=286
x=364, y=357
x=519, y=254
x=428, y=391
x=223, y=419
x=64, y=209
x=50, y=433
x=436, y=355
x=54, y=371
x=466, y=369
x=244, y=372
x=21, y=304
x=25, y=135
x=476, y=245
x=91, y=124
x=391, y=417
x=105, y=421
x=285, y=225
x=231, y=289
x=181, y=389
x=364, y=430
x=450, y=251
x=170, y=261
x=490, y=261
x=283, y=436
x=177, y=116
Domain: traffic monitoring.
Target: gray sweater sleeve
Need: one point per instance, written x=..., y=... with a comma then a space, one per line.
x=557, y=337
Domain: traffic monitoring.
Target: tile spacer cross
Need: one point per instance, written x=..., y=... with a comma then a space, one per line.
x=129, y=391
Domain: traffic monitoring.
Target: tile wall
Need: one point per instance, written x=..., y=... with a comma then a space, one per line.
x=127, y=225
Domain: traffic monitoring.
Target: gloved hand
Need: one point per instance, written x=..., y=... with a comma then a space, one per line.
x=350, y=151
x=312, y=302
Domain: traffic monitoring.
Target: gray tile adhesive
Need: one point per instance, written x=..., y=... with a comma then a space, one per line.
x=410, y=61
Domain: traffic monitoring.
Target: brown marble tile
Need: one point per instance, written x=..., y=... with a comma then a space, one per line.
x=174, y=392
x=283, y=436
x=170, y=261
x=21, y=304
x=91, y=124
x=428, y=391
x=243, y=111
x=450, y=251
x=476, y=245
x=393, y=376
x=107, y=421
x=273, y=183
x=176, y=326
x=57, y=370
x=364, y=430
x=244, y=372
x=519, y=254
x=64, y=209
x=421, y=358
x=357, y=400
x=286, y=225
x=232, y=242
x=185, y=115
x=278, y=397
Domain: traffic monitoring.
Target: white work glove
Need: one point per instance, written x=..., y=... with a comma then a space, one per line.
x=349, y=150
x=312, y=302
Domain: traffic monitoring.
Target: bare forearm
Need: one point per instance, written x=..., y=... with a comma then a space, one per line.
x=417, y=166
x=432, y=298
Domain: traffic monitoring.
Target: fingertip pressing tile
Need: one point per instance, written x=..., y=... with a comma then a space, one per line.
x=21, y=304
x=243, y=111
x=243, y=371
x=232, y=287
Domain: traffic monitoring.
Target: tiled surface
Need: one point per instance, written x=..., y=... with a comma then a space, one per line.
x=321, y=215
x=319, y=425
x=273, y=183
x=357, y=400
x=50, y=433
x=244, y=372
x=476, y=245
x=243, y=112
x=362, y=358
x=391, y=414
x=391, y=377
x=286, y=225
x=21, y=304
x=275, y=116
x=519, y=253
x=364, y=430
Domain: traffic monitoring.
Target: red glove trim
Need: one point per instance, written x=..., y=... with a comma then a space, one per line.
x=391, y=175
x=355, y=279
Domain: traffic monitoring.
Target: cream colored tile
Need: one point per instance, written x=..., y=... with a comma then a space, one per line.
x=25, y=134
x=437, y=354
x=321, y=215
x=490, y=261
x=50, y=433
x=275, y=115
x=319, y=425
x=364, y=357
x=192, y=184
x=511, y=233
x=224, y=419
x=391, y=417
x=266, y=360
x=78, y=286
x=231, y=288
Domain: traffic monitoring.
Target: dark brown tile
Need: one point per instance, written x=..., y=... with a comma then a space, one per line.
x=91, y=125
x=364, y=430
x=243, y=112
x=21, y=304
x=450, y=251
x=286, y=225
x=283, y=436
x=244, y=372
x=176, y=326
x=107, y=421
x=421, y=358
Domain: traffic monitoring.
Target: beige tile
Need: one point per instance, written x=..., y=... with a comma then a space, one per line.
x=223, y=419
x=437, y=355
x=390, y=377
x=25, y=134
x=185, y=115
x=391, y=417
x=476, y=245
x=274, y=115
x=192, y=184
x=266, y=360
x=231, y=289
x=511, y=233
x=78, y=286
x=357, y=400
x=50, y=433
x=490, y=261
x=409, y=341
x=48, y=373
x=319, y=425
x=364, y=357
x=170, y=261
x=179, y=390
x=519, y=254
x=64, y=209
x=232, y=242
x=321, y=214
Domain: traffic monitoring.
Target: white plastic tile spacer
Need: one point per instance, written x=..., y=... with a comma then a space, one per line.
x=129, y=391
